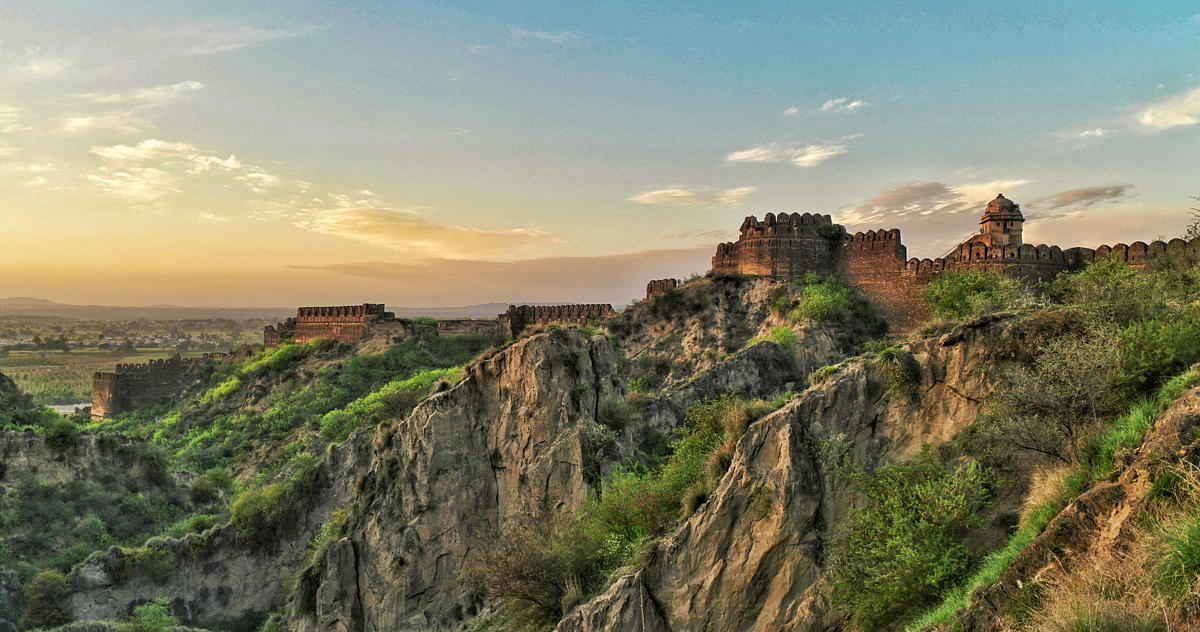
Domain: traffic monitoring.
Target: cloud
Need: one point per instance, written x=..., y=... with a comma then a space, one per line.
x=799, y=155
x=155, y=96
x=709, y=235
x=213, y=218
x=925, y=199
x=1076, y=200
x=563, y=37
x=615, y=279
x=120, y=121
x=139, y=183
x=1173, y=111
x=40, y=66
x=694, y=196
x=792, y=111
x=214, y=38
x=10, y=119
x=1096, y=132
x=407, y=231
x=149, y=149
x=842, y=104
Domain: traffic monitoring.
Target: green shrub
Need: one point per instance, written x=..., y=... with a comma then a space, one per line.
x=1178, y=562
x=424, y=321
x=221, y=391
x=46, y=600
x=62, y=434
x=972, y=293
x=265, y=514
x=195, y=523
x=1152, y=351
x=153, y=616
x=906, y=545
x=822, y=374
x=1110, y=290
x=208, y=487
x=901, y=370
x=616, y=415
x=824, y=299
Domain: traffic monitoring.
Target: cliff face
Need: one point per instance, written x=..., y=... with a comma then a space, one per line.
x=750, y=558
x=508, y=439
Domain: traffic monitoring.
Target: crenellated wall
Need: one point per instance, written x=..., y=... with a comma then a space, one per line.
x=780, y=246
x=518, y=319
x=130, y=386
x=344, y=323
x=875, y=262
x=660, y=286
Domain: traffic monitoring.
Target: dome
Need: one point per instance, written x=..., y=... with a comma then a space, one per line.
x=1002, y=206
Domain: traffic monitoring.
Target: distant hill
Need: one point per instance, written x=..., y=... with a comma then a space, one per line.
x=27, y=306
x=26, y=300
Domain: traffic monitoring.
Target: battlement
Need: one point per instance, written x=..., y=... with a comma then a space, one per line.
x=518, y=319
x=660, y=286
x=344, y=323
x=129, y=386
x=790, y=245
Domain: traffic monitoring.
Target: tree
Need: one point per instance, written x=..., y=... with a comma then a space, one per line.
x=1050, y=407
x=46, y=600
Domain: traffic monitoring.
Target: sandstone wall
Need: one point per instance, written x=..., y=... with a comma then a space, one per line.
x=660, y=286
x=132, y=385
x=519, y=319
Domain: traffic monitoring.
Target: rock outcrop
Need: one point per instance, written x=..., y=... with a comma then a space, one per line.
x=751, y=557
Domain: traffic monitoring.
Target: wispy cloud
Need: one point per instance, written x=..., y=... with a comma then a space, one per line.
x=44, y=66
x=154, y=168
x=562, y=37
x=215, y=37
x=138, y=183
x=155, y=96
x=1173, y=111
x=707, y=235
x=10, y=119
x=792, y=111
x=800, y=155
x=408, y=231
x=694, y=196
x=927, y=198
x=1076, y=200
x=842, y=104
x=118, y=121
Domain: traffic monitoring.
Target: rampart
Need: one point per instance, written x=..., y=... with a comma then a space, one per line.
x=660, y=286
x=344, y=323
x=788, y=246
x=519, y=319
x=130, y=386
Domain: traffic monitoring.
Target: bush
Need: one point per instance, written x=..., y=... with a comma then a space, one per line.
x=62, y=434
x=153, y=616
x=616, y=415
x=1109, y=290
x=1053, y=407
x=46, y=600
x=901, y=371
x=906, y=545
x=264, y=514
x=972, y=293
x=208, y=487
x=1154, y=350
x=148, y=561
x=195, y=523
x=824, y=299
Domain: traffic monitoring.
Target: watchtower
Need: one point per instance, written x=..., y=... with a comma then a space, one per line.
x=1001, y=223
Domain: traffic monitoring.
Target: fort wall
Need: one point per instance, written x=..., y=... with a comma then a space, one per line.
x=520, y=319
x=344, y=323
x=660, y=286
x=130, y=386
x=788, y=246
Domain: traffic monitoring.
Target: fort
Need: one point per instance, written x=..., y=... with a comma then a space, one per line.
x=789, y=245
x=519, y=319
x=660, y=286
x=355, y=323
x=129, y=386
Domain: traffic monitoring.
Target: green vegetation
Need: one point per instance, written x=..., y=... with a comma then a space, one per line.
x=153, y=616
x=262, y=514
x=902, y=371
x=540, y=568
x=46, y=600
x=906, y=546
x=957, y=295
x=824, y=299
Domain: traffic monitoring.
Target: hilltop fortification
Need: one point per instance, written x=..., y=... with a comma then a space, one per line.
x=789, y=245
x=129, y=386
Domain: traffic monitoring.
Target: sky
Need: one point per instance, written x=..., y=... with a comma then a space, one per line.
x=432, y=154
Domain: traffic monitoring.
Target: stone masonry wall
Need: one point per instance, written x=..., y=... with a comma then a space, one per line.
x=132, y=385
x=519, y=319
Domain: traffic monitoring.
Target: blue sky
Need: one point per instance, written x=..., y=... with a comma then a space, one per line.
x=425, y=153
